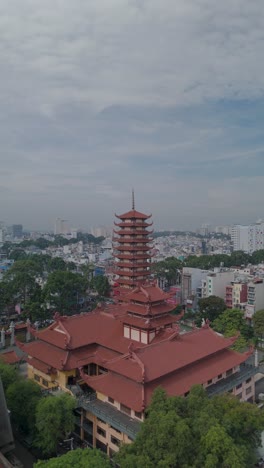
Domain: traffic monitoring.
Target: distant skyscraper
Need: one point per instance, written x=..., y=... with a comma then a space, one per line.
x=61, y=227
x=17, y=230
x=248, y=238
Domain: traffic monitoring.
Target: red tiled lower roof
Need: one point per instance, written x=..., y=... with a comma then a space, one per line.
x=41, y=366
x=46, y=353
x=119, y=388
x=181, y=381
x=10, y=357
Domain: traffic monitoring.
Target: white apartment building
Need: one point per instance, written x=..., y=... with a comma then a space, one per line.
x=255, y=297
x=215, y=283
x=248, y=238
x=191, y=283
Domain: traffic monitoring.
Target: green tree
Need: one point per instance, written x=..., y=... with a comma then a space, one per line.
x=195, y=431
x=210, y=308
x=54, y=421
x=87, y=458
x=232, y=321
x=63, y=290
x=57, y=264
x=8, y=374
x=258, y=323
x=22, y=398
x=22, y=279
x=101, y=285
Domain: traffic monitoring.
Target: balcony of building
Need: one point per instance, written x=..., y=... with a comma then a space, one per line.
x=109, y=414
x=227, y=384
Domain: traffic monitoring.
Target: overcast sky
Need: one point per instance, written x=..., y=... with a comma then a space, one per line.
x=99, y=96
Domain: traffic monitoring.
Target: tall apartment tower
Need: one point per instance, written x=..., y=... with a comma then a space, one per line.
x=132, y=249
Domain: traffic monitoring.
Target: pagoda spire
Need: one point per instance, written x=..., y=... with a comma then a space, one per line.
x=133, y=199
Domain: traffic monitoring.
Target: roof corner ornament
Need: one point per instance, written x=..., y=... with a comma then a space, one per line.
x=56, y=316
x=131, y=349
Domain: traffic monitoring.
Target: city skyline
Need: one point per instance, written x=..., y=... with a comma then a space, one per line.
x=161, y=96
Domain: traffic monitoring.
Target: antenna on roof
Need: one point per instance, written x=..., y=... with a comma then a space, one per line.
x=133, y=199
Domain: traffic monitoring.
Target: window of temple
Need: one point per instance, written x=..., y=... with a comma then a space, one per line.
x=45, y=383
x=101, y=432
x=238, y=386
x=248, y=390
x=115, y=441
x=135, y=334
x=37, y=378
x=126, y=332
x=220, y=376
x=144, y=337
x=115, y=429
x=111, y=400
x=229, y=372
x=209, y=382
x=125, y=409
x=138, y=414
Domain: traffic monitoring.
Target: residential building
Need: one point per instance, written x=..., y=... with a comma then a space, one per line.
x=236, y=295
x=17, y=231
x=255, y=296
x=191, y=281
x=248, y=238
x=113, y=358
x=215, y=283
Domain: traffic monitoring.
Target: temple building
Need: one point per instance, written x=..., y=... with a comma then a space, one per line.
x=114, y=357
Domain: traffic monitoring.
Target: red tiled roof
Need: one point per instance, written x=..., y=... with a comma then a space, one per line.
x=41, y=366
x=201, y=372
x=146, y=324
x=147, y=293
x=10, y=357
x=46, y=353
x=133, y=214
x=119, y=388
x=163, y=308
x=171, y=355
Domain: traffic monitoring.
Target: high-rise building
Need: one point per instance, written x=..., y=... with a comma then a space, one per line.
x=61, y=227
x=17, y=231
x=248, y=238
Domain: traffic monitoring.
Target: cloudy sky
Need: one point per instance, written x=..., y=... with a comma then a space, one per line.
x=99, y=96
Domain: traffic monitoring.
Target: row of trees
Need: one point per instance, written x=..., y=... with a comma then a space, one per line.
x=64, y=288
x=170, y=267
x=46, y=420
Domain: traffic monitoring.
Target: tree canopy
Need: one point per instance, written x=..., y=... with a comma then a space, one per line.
x=54, y=421
x=258, y=323
x=63, y=290
x=195, y=432
x=86, y=458
x=22, y=398
x=8, y=374
x=210, y=308
x=232, y=321
x=101, y=285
